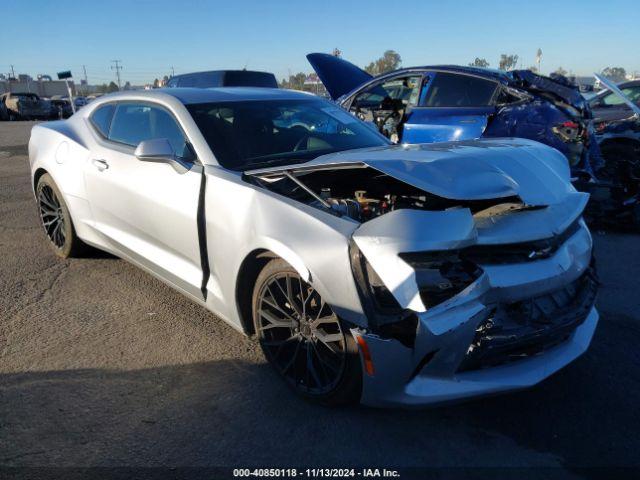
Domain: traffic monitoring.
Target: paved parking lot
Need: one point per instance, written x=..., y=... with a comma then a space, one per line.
x=102, y=365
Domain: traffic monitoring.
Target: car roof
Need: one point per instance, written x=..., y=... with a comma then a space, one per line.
x=221, y=94
x=629, y=83
x=482, y=72
x=182, y=75
x=498, y=75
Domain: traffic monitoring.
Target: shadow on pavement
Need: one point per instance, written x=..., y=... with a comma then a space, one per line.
x=239, y=413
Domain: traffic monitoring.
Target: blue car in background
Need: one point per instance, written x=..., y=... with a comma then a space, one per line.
x=449, y=103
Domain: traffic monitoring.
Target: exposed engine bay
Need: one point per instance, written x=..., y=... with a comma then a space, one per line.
x=363, y=193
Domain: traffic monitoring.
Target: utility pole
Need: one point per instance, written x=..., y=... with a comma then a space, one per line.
x=173, y=72
x=13, y=74
x=117, y=67
x=86, y=82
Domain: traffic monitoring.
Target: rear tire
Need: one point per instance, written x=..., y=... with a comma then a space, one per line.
x=301, y=337
x=56, y=220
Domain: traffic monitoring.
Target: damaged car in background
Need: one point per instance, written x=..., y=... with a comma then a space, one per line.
x=617, y=126
x=451, y=103
x=386, y=274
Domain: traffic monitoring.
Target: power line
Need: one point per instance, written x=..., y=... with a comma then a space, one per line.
x=117, y=67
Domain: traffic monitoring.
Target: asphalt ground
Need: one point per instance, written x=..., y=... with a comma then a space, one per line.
x=101, y=365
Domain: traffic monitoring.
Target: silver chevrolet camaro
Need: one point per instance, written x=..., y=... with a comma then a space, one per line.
x=389, y=274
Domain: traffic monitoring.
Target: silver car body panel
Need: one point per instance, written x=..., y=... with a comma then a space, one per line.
x=147, y=213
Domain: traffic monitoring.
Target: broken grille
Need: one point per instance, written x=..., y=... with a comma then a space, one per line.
x=530, y=327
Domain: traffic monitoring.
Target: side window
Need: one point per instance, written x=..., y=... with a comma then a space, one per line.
x=454, y=90
x=134, y=123
x=507, y=96
x=395, y=91
x=173, y=83
x=633, y=93
x=101, y=119
x=611, y=99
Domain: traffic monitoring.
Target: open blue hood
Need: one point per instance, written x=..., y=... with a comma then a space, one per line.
x=337, y=75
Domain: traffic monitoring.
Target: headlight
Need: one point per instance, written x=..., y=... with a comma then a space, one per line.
x=441, y=275
x=386, y=317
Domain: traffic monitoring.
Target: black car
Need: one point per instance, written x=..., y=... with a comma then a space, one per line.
x=4, y=113
x=60, y=108
x=607, y=106
x=224, y=78
x=618, y=136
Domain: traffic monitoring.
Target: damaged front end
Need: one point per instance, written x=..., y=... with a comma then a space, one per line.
x=471, y=260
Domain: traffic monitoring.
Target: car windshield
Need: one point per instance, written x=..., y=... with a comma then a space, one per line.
x=253, y=134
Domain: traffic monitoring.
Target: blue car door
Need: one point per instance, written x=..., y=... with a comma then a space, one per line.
x=452, y=106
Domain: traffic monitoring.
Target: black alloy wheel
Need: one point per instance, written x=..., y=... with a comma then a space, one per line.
x=52, y=216
x=302, y=337
x=56, y=220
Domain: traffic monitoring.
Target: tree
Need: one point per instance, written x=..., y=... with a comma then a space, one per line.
x=479, y=62
x=127, y=86
x=389, y=61
x=112, y=87
x=533, y=68
x=560, y=71
x=507, y=62
x=616, y=74
x=156, y=83
x=295, y=82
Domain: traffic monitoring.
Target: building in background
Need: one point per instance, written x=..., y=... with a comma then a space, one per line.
x=42, y=86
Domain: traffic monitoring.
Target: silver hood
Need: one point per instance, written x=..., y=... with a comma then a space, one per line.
x=470, y=170
x=473, y=170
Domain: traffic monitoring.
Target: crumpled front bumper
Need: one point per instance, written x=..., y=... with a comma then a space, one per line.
x=429, y=372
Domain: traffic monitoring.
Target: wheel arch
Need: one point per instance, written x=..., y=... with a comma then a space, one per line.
x=40, y=171
x=250, y=268
x=248, y=273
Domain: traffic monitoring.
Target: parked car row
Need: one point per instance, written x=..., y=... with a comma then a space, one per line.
x=30, y=106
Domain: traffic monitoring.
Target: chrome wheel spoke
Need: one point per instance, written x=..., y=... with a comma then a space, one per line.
x=327, y=339
x=273, y=321
x=310, y=366
x=293, y=358
x=273, y=303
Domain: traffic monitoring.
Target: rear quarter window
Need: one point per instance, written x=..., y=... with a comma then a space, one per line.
x=101, y=119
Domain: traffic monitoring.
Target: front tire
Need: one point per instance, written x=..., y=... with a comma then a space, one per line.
x=303, y=339
x=56, y=220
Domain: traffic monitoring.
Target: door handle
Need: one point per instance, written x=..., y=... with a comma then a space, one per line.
x=100, y=164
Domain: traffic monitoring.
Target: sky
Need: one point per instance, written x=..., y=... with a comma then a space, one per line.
x=151, y=37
